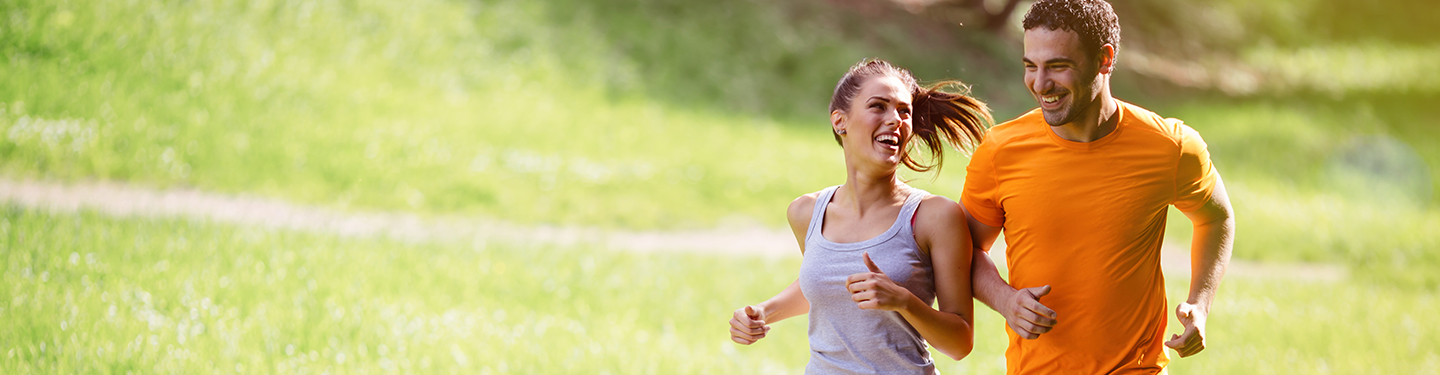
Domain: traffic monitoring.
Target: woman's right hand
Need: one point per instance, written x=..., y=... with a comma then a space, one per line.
x=748, y=325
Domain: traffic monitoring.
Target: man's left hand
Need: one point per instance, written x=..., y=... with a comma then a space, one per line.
x=1193, y=339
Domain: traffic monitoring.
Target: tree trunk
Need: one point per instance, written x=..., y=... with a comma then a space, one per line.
x=996, y=21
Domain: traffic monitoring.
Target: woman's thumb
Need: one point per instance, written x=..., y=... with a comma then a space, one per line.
x=871, y=264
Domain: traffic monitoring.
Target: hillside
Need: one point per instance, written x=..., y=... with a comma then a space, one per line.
x=662, y=114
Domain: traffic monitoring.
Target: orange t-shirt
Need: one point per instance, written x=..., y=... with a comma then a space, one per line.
x=1088, y=220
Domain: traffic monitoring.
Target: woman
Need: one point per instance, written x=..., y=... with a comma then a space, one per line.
x=878, y=252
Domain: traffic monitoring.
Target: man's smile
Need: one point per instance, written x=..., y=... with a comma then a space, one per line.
x=1051, y=101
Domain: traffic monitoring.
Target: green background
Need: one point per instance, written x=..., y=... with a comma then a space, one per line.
x=660, y=115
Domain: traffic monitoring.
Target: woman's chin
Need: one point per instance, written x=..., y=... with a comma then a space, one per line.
x=891, y=162
x=892, y=158
x=883, y=161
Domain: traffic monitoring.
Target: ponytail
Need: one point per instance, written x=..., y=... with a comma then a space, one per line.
x=954, y=118
x=938, y=117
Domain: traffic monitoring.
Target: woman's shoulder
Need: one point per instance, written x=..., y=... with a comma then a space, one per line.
x=801, y=208
x=940, y=221
x=939, y=211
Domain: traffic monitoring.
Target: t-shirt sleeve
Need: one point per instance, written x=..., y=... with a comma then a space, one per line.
x=980, y=195
x=1195, y=176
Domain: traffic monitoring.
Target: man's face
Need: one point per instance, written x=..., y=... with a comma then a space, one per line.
x=1061, y=75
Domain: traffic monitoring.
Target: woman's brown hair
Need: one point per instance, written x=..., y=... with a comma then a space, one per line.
x=938, y=116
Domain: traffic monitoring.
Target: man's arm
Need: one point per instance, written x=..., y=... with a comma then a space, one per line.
x=1021, y=308
x=1214, y=237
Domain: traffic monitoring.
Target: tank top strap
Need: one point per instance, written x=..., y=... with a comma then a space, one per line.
x=907, y=211
x=817, y=218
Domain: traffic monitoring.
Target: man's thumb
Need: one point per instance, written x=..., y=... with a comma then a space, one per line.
x=1175, y=342
x=871, y=264
x=750, y=312
x=1041, y=291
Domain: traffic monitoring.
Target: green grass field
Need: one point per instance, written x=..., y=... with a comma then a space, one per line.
x=432, y=106
x=648, y=114
x=507, y=110
x=89, y=294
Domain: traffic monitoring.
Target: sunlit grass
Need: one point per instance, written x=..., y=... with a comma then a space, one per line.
x=1342, y=68
x=1351, y=185
x=372, y=106
x=1270, y=326
x=89, y=294
x=550, y=112
x=505, y=109
x=464, y=108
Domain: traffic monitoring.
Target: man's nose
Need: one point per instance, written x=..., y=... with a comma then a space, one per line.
x=1042, y=83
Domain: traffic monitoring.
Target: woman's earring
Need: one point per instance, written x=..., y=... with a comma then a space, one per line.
x=840, y=132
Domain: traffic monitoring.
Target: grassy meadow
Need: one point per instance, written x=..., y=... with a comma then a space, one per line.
x=512, y=109
x=637, y=114
x=91, y=294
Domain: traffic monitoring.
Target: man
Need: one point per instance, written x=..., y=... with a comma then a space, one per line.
x=1081, y=187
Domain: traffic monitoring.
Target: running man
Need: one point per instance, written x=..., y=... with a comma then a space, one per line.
x=1081, y=187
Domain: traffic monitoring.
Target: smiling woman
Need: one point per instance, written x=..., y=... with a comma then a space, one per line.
x=937, y=113
x=877, y=252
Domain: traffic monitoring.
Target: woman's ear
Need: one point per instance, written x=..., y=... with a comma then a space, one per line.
x=837, y=121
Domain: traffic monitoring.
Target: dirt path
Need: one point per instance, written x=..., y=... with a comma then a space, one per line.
x=125, y=200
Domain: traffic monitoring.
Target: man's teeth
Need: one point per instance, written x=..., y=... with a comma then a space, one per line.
x=1050, y=99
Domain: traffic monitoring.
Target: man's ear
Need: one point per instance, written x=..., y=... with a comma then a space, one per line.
x=837, y=121
x=1107, y=59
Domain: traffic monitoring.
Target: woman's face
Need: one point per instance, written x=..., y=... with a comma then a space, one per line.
x=877, y=124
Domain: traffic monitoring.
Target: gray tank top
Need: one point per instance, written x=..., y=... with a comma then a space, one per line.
x=843, y=338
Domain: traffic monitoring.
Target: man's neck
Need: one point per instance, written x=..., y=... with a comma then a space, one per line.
x=1097, y=122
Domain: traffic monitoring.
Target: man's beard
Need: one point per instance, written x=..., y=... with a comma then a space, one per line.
x=1069, y=113
x=1065, y=115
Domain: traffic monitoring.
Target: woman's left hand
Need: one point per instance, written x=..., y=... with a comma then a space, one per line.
x=875, y=291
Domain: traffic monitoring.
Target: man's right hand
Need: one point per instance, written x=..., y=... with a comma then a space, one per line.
x=748, y=325
x=1026, y=316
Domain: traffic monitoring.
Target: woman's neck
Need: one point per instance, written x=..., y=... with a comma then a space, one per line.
x=864, y=192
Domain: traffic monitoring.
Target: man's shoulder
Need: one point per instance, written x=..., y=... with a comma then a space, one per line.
x=1017, y=128
x=1170, y=128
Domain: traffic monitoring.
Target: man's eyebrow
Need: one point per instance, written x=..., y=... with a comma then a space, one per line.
x=1052, y=61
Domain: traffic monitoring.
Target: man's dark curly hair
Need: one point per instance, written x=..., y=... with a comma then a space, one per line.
x=1093, y=20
